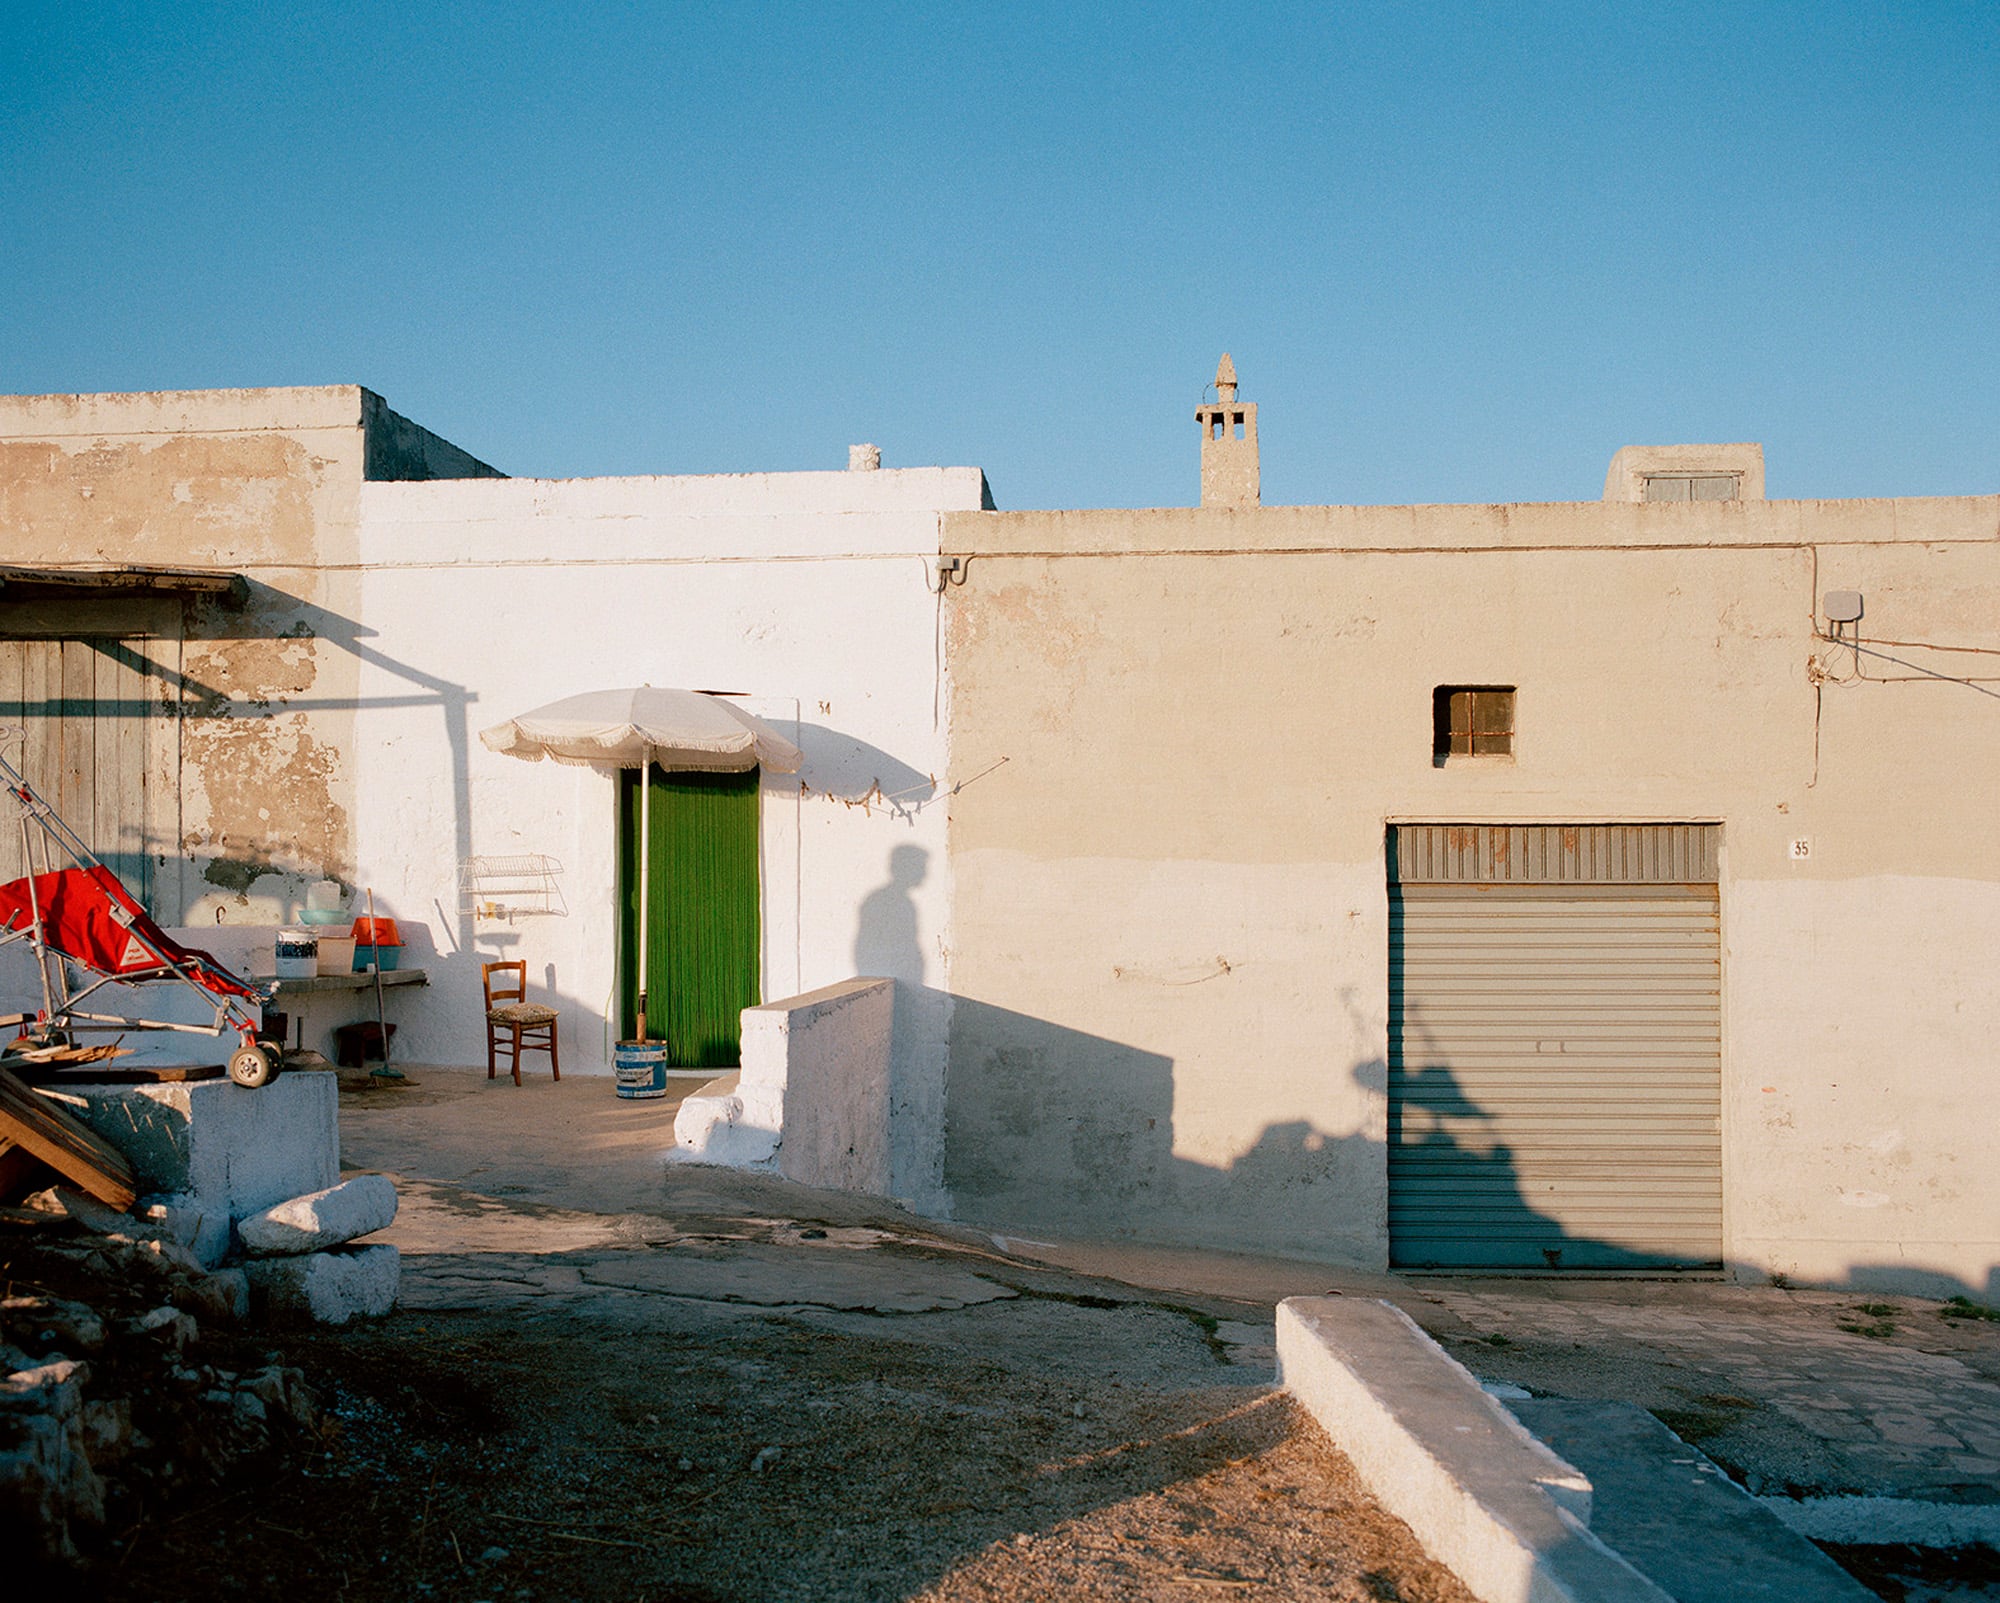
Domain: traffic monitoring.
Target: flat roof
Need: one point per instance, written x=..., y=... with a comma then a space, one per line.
x=108, y=580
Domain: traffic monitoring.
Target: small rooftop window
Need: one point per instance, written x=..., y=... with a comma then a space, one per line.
x=1692, y=487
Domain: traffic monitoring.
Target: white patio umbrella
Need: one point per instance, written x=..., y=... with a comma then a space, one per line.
x=681, y=730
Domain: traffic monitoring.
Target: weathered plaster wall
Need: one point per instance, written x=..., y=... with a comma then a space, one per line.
x=255, y=704
x=810, y=592
x=1182, y=736
x=256, y=712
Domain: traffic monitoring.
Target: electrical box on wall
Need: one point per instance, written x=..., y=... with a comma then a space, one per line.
x=1843, y=606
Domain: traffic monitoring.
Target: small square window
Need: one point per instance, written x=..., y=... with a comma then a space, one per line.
x=1471, y=721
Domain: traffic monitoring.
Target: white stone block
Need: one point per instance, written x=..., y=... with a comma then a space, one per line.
x=323, y=1219
x=1488, y=1500
x=203, y=1231
x=223, y=1151
x=812, y=1098
x=332, y=1287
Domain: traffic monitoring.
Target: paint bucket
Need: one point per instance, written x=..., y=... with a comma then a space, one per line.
x=640, y=1068
x=336, y=954
x=298, y=954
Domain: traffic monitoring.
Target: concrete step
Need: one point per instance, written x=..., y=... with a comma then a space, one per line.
x=1543, y=1500
x=1675, y=1517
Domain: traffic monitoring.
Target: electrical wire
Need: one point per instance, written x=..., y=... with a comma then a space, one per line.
x=1918, y=672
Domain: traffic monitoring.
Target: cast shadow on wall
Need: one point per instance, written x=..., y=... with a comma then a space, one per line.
x=854, y=773
x=1070, y=1133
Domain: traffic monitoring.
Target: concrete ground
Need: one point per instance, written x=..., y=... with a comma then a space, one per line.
x=1861, y=1418
x=1800, y=1394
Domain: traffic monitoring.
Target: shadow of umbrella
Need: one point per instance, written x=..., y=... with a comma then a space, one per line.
x=851, y=770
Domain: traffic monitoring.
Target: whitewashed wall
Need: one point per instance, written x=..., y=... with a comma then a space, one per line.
x=809, y=592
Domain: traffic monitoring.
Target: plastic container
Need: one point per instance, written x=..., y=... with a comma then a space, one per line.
x=640, y=1068
x=377, y=943
x=297, y=954
x=336, y=954
x=376, y=932
x=325, y=903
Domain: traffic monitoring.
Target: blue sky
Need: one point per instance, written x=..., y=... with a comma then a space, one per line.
x=1459, y=252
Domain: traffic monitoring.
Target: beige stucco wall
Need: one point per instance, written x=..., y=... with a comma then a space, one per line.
x=1169, y=920
x=250, y=795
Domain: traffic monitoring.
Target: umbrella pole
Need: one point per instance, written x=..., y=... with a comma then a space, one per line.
x=645, y=862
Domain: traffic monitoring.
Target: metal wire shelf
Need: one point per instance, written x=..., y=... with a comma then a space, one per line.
x=520, y=886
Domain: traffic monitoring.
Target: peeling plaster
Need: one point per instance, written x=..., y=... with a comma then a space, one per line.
x=259, y=797
x=192, y=499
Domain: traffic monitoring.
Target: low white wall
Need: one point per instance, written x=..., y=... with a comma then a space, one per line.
x=814, y=1092
x=1487, y=1499
x=833, y=1045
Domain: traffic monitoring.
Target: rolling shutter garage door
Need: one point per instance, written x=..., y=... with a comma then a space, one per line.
x=1555, y=1047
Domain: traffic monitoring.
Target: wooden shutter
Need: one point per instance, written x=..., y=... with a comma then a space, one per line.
x=85, y=705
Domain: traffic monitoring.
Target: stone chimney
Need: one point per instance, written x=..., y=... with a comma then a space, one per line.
x=1229, y=474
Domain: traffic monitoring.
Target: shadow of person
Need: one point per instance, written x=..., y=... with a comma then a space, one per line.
x=885, y=938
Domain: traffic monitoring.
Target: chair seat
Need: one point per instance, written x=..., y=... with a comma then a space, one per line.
x=522, y=1013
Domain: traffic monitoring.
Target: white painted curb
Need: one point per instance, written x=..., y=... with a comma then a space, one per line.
x=1500, y=1510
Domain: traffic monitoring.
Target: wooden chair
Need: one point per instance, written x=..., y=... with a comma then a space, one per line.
x=514, y=1024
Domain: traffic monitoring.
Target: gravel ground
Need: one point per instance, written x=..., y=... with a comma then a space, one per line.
x=636, y=1447
x=606, y=1382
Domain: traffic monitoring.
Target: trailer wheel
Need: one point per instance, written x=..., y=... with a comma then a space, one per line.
x=251, y=1066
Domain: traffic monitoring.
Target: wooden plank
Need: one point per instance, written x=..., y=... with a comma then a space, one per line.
x=55, y=1074
x=72, y=786
x=171, y=882
x=13, y=660
x=135, y=844
x=66, y=1144
x=128, y=580
x=41, y=708
x=121, y=764
x=107, y=812
x=391, y=978
x=20, y=1171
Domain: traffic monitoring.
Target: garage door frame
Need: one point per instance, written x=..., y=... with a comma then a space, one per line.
x=1555, y=1047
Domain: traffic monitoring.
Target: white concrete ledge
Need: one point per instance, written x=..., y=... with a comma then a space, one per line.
x=812, y=1098
x=1487, y=1500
